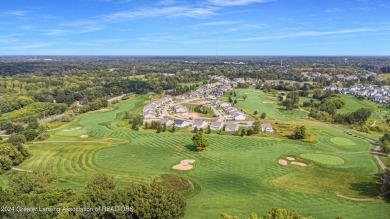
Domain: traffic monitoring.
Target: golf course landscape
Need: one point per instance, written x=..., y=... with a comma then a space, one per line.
x=237, y=175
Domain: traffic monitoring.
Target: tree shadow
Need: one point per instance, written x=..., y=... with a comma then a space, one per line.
x=370, y=189
x=190, y=147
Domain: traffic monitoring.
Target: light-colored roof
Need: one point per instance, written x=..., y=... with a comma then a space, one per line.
x=266, y=125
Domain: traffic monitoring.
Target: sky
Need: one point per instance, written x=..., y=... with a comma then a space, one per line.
x=194, y=27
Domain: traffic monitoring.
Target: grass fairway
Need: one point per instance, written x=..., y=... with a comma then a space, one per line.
x=264, y=103
x=323, y=159
x=237, y=175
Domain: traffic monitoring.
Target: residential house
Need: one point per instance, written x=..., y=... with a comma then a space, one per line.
x=180, y=109
x=239, y=116
x=181, y=123
x=149, y=114
x=232, y=127
x=266, y=127
x=216, y=126
x=167, y=122
x=199, y=123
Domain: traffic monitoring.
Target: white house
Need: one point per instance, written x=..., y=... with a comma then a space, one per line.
x=199, y=123
x=232, y=127
x=266, y=127
x=167, y=122
x=149, y=114
x=181, y=123
x=239, y=116
x=180, y=109
x=216, y=126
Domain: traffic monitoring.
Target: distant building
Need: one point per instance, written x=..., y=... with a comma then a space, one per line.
x=180, y=109
x=181, y=123
x=167, y=122
x=149, y=114
x=199, y=123
x=232, y=127
x=266, y=127
x=239, y=116
x=216, y=126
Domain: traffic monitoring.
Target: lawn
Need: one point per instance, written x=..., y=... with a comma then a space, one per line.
x=352, y=104
x=237, y=175
x=264, y=103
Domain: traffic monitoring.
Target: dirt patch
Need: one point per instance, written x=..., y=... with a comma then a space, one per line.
x=84, y=136
x=299, y=164
x=282, y=162
x=184, y=165
x=290, y=158
x=201, y=102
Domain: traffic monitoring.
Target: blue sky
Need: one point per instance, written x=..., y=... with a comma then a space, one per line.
x=184, y=27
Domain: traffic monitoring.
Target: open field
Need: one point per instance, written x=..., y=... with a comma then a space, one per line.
x=264, y=103
x=237, y=175
x=352, y=104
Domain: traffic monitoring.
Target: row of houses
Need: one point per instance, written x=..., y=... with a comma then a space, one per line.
x=375, y=93
x=149, y=111
x=216, y=126
x=231, y=111
x=180, y=108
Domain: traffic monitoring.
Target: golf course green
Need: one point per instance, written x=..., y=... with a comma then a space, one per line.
x=238, y=175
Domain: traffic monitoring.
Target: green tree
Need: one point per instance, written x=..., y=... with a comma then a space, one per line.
x=98, y=192
x=34, y=182
x=299, y=133
x=29, y=134
x=255, y=113
x=244, y=96
x=159, y=128
x=227, y=216
x=235, y=102
x=199, y=141
x=173, y=129
x=164, y=128
x=242, y=133
x=263, y=115
x=208, y=129
x=153, y=201
x=230, y=99
x=280, y=213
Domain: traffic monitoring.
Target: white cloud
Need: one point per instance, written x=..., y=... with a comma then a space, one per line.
x=316, y=33
x=332, y=10
x=174, y=11
x=236, y=2
x=56, y=32
x=18, y=13
x=218, y=23
x=28, y=46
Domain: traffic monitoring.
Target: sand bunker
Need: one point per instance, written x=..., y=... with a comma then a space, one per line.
x=84, y=136
x=299, y=164
x=267, y=102
x=288, y=160
x=184, y=165
x=282, y=162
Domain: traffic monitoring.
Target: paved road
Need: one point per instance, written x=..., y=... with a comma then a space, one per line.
x=118, y=97
x=51, y=118
x=380, y=116
x=381, y=164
